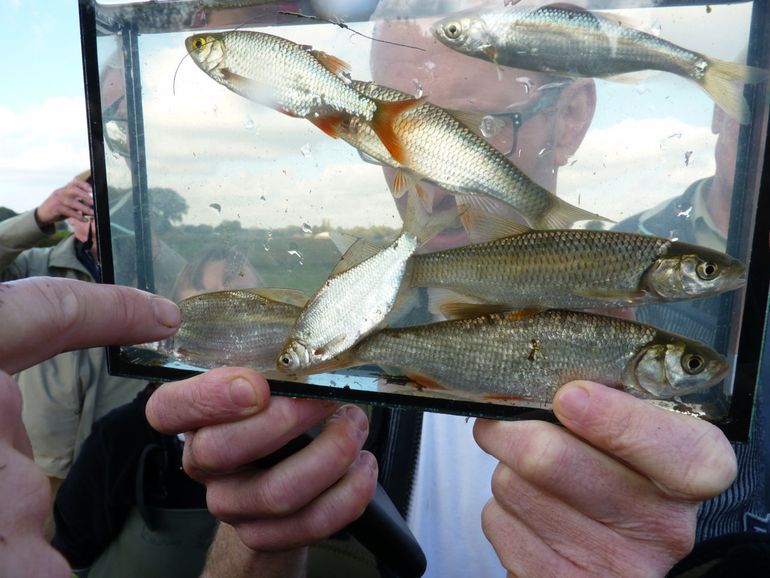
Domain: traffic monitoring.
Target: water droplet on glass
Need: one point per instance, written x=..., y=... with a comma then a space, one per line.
x=296, y=254
x=306, y=228
x=527, y=82
x=418, y=88
x=262, y=198
x=656, y=28
x=491, y=126
x=430, y=65
x=249, y=124
x=544, y=151
x=683, y=210
x=216, y=206
x=306, y=151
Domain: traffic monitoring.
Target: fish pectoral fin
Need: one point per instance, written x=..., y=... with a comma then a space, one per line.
x=383, y=121
x=332, y=124
x=329, y=345
x=483, y=226
x=467, y=310
x=490, y=51
x=335, y=65
x=629, y=295
x=424, y=382
x=358, y=252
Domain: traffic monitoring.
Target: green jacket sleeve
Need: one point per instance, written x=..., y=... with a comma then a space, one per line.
x=18, y=234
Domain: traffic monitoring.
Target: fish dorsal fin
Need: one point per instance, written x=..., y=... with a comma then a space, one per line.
x=483, y=226
x=469, y=119
x=423, y=225
x=342, y=241
x=405, y=181
x=358, y=252
x=335, y=65
x=465, y=310
x=288, y=296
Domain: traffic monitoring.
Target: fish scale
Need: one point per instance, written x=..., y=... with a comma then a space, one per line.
x=505, y=356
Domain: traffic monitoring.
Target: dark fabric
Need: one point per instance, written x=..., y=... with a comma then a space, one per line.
x=86, y=257
x=96, y=497
x=745, y=555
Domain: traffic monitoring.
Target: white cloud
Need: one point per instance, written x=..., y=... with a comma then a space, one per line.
x=41, y=148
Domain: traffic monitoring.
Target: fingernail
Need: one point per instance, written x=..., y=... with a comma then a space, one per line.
x=572, y=402
x=166, y=312
x=366, y=460
x=354, y=415
x=242, y=393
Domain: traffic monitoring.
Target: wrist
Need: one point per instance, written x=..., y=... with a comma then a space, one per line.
x=229, y=557
x=43, y=223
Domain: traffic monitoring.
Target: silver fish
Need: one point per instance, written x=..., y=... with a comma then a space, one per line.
x=357, y=296
x=435, y=146
x=289, y=77
x=521, y=356
x=243, y=327
x=578, y=269
x=575, y=42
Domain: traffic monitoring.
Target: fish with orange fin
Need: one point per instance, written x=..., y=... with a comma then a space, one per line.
x=529, y=355
x=291, y=78
x=445, y=148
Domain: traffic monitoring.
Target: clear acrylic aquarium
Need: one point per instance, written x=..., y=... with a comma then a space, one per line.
x=200, y=189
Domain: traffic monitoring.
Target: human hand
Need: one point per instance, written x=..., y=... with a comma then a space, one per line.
x=40, y=318
x=614, y=494
x=73, y=200
x=232, y=420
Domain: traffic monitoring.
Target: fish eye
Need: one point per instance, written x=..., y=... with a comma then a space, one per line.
x=707, y=270
x=198, y=42
x=452, y=30
x=693, y=363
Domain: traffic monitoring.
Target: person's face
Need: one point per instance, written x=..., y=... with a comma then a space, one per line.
x=217, y=277
x=457, y=82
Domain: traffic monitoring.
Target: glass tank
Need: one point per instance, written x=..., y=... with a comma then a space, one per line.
x=448, y=205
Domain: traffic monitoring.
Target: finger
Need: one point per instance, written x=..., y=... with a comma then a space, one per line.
x=685, y=456
x=12, y=430
x=297, y=480
x=222, y=449
x=629, y=540
x=328, y=514
x=553, y=459
x=520, y=550
x=218, y=396
x=75, y=315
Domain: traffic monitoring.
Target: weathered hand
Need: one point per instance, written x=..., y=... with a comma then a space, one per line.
x=614, y=494
x=232, y=420
x=40, y=318
x=73, y=200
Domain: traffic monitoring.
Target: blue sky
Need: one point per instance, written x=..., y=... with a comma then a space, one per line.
x=47, y=34
x=43, y=140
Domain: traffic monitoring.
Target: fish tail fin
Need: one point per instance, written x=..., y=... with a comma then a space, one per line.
x=724, y=81
x=563, y=215
x=422, y=224
x=383, y=120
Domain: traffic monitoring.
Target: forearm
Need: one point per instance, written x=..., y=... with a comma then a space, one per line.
x=230, y=558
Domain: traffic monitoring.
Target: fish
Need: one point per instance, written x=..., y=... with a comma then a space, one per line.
x=291, y=78
x=575, y=42
x=438, y=147
x=241, y=327
x=357, y=296
x=516, y=356
x=573, y=269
